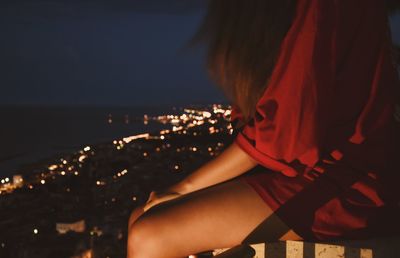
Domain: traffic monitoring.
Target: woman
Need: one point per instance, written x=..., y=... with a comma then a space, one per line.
x=313, y=89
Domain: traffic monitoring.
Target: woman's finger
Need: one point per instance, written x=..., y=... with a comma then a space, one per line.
x=159, y=199
x=152, y=196
x=147, y=206
x=150, y=204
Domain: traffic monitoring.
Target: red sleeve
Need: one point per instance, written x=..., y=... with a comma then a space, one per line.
x=290, y=116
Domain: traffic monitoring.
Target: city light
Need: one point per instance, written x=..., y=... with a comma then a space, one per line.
x=82, y=158
x=134, y=137
x=116, y=173
x=53, y=167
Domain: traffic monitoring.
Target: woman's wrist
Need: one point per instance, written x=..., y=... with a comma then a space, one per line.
x=182, y=187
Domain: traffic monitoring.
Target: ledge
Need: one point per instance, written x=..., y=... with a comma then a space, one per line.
x=372, y=248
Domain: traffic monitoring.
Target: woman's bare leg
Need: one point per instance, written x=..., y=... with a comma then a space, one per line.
x=220, y=216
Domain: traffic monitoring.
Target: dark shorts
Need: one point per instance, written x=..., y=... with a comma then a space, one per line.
x=339, y=204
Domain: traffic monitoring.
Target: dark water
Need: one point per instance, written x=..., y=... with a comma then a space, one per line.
x=28, y=134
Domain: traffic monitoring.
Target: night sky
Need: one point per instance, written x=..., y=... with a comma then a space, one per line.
x=115, y=53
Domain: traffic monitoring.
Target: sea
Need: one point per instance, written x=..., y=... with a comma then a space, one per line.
x=31, y=133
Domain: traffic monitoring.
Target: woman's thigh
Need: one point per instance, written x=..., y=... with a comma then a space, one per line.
x=220, y=216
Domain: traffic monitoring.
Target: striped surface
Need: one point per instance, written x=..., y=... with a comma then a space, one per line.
x=298, y=249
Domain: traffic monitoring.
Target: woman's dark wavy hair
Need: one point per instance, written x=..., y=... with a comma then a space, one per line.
x=243, y=39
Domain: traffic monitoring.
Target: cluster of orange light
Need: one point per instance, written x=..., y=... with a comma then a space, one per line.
x=191, y=118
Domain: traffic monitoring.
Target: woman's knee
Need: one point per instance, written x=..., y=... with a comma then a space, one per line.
x=142, y=239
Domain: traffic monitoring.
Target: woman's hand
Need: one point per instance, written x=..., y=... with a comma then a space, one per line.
x=158, y=197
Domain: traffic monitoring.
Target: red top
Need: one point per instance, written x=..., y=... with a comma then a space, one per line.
x=332, y=92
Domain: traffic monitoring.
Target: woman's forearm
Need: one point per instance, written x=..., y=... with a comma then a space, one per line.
x=232, y=162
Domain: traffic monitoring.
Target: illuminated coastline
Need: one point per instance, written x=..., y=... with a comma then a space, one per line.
x=87, y=195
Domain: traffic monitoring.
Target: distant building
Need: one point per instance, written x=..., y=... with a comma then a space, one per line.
x=18, y=181
x=78, y=226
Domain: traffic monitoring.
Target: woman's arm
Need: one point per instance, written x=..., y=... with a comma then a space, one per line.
x=232, y=162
